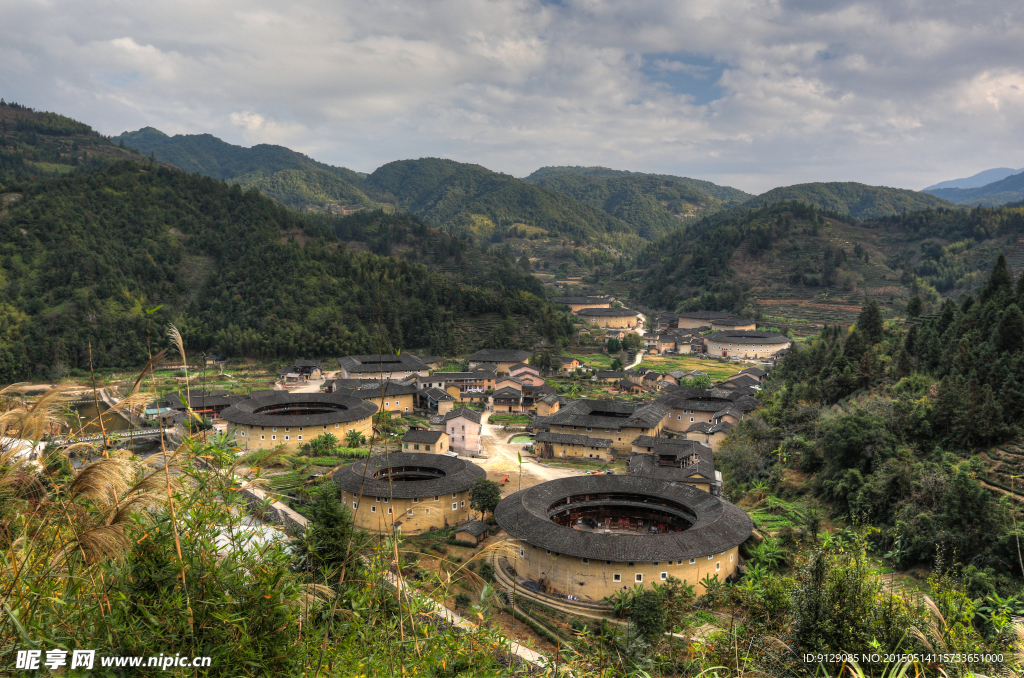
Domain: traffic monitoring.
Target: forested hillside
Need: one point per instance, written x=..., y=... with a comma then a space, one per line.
x=999, y=192
x=850, y=198
x=281, y=173
x=796, y=262
x=652, y=203
x=467, y=198
x=37, y=144
x=86, y=256
x=891, y=426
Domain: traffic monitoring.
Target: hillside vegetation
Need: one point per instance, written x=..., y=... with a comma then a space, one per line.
x=281, y=173
x=652, y=203
x=798, y=265
x=850, y=198
x=999, y=192
x=37, y=144
x=85, y=256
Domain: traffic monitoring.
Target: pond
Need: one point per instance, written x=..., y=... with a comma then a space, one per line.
x=89, y=423
x=522, y=439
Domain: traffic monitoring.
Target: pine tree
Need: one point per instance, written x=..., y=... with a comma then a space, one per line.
x=999, y=281
x=869, y=322
x=1009, y=334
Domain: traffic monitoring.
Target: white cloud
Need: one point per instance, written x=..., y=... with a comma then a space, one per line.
x=881, y=91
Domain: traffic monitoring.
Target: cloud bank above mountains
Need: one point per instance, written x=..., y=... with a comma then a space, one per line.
x=752, y=93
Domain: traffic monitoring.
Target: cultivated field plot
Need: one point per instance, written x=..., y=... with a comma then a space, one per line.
x=713, y=368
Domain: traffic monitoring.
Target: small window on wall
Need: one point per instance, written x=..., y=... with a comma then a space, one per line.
x=354, y=506
x=664, y=576
x=373, y=509
x=428, y=512
x=730, y=557
x=455, y=506
x=287, y=437
x=522, y=553
x=718, y=566
x=463, y=504
x=711, y=556
x=693, y=561
x=586, y=561
x=299, y=437
x=273, y=437
x=616, y=577
x=389, y=510
x=639, y=577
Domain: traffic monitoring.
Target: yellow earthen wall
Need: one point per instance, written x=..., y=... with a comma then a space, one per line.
x=266, y=437
x=373, y=514
x=568, y=575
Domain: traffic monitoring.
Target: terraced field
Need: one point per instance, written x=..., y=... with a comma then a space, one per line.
x=1005, y=469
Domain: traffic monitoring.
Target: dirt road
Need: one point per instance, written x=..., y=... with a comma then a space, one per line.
x=503, y=457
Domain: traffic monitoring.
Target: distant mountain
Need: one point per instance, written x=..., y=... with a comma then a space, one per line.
x=652, y=204
x=726, y=194
x=850, y=198
x=473, y=199
x=280, y=173
x=976, y=180
x=999, y=192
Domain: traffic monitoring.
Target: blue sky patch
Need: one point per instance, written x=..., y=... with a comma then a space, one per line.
x=683, y=73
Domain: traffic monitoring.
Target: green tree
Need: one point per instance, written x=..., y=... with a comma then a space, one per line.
x=647, y=612
x=354, y=439
x=632, y=342
x=484, y=496
x=326, y=544
x=616, y=364
x=614, y=345
x=869, y=322
x=1009, y=334
x=915, y=307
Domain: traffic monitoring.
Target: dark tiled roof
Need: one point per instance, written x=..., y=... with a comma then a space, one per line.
x=421, y=436
x=450, y=376
x=756, y=371
x=200, y=400
x=365, y=364
x=475, y=528
x=647, y=441
x=717, y=525
x=508, y=392
x=733, y=322
x=550, y=399
x=721, y=426
x=607, y=312
x=707, y=399
x=609, y=374
x=704, y=315
x=746, y=337
x=518, y=366
x=743, y=380
x=701, y=427
x=307, y=363
x=280, y=408
x=566, y=359
x=373, y=389
x=499, y=355
x=626, y=383
x=582, y=300
x=571, y=439
x=729, y=411
x=458, y=476
x=463, y=412
x=675, y=460
x=603, y=414
x=437, y=394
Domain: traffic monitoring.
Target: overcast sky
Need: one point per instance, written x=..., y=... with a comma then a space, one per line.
x=749, y=93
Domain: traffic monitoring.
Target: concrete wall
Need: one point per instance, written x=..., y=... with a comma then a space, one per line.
x=416, y=516
x=463, y=434
x=266, y=437
x=568, y=575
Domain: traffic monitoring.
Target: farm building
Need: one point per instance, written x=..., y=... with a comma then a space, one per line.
x=745, y=343
x=267, y=419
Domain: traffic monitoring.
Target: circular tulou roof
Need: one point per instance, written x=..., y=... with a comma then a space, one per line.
x=280, y=408
x=704, y=315
x=716, y=526
x=451, y=475
x=746, y=337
